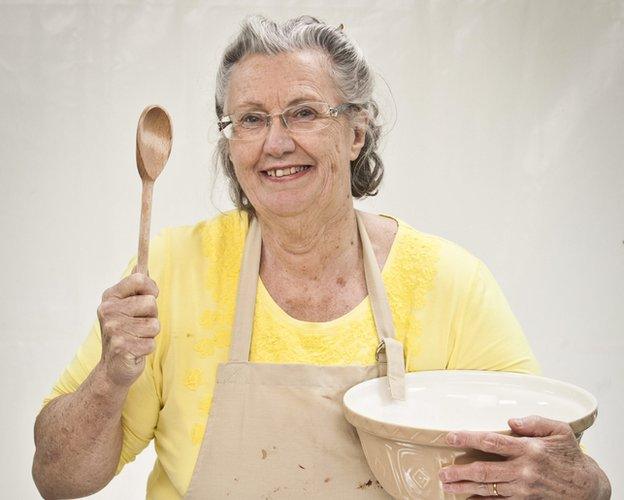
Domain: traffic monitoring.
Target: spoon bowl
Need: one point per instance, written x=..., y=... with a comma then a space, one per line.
x=153, y=142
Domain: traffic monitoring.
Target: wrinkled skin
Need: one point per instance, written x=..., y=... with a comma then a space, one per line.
x=541, y=461
x=270, y=84
x=128, y=317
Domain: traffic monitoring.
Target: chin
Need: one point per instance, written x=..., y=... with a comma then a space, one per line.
x=286, y=207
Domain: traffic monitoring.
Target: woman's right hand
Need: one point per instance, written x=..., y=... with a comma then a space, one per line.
x=129, y=323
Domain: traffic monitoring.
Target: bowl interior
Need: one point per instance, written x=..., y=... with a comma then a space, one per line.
x=448, y=400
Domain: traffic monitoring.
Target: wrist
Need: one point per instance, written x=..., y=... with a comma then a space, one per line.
x=104, y=390
x=602, y=490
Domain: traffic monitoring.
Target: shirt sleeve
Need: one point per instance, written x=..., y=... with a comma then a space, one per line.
x=487, y=334
x=143, y=403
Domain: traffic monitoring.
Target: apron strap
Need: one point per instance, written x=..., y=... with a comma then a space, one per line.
x=389, y=351
x=394, y=357
x=246, y=293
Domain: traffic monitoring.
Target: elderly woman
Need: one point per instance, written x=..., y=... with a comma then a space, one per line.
x=171, y=357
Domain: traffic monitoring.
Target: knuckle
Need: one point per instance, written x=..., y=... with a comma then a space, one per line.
x=152, y=305
x=484, y=489
x=534, y=447
x=106, y=294
x=495, y=441
x=145, y=347
x=136, y=280
x=155, y=325
x=527, y=474
x=145, y=281
x=110, y=325
x=116, y=344
x=480, y=472
x=104, y=309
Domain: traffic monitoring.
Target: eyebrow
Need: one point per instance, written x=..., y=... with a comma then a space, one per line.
x=292, y=102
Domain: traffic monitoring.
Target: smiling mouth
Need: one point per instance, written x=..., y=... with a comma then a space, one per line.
x=286, y=172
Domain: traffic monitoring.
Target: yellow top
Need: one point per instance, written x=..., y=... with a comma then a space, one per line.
x=447, y=309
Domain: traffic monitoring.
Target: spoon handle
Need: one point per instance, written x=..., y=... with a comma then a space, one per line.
x=144, y=228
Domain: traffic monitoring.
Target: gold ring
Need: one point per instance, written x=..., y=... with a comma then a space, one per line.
x=496, y=494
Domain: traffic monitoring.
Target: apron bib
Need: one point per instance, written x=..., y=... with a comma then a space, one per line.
x=278, y=430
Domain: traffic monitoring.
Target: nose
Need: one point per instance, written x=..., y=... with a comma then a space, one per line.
x=278, y=141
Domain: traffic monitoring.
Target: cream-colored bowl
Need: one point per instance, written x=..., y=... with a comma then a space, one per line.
x=404, y=441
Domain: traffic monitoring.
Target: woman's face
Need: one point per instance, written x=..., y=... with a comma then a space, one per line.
x=270, y=84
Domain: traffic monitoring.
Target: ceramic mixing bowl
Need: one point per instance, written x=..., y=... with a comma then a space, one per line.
x=404, y=441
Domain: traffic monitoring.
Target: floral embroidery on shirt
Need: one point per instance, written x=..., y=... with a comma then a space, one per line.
x=219, y=326
x=220, y=250
x=205, y=348
x=197, y=433
x=205, y=403
x=193, y=379
x=415, y=269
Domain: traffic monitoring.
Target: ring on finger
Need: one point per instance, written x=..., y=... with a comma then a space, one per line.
x=495, y=490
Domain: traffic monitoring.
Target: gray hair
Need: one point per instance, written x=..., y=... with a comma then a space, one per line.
x=349, y=70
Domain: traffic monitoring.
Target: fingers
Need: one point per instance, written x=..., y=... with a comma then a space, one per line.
x=134, y=284
x=137, y=306
x=130, y=347
x=479, y=472
x=490, y=442
x=480, y=489
x=141, y=328
x=536, y=426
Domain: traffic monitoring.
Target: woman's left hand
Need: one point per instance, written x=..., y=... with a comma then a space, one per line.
x=544, y=461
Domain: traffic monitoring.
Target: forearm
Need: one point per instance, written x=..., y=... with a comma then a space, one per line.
x=78, y=439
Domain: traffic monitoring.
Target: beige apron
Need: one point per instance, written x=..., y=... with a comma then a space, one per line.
x=278, y=430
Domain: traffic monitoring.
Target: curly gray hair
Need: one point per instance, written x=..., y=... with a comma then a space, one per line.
x=349, y=70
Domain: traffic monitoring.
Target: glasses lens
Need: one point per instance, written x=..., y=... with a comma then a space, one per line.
x=247, y=125
x=307, y=116
x=304, y=117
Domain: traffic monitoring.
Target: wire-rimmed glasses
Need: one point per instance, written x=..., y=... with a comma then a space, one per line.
x=303, y=117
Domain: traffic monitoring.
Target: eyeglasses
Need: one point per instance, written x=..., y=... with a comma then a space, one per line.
x=303, y=117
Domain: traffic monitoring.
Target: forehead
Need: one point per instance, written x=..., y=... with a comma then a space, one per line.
x=274, y=81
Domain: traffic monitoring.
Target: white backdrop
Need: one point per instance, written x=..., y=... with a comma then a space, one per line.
x=508, y=140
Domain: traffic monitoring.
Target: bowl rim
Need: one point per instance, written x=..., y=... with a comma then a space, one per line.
x=435, y=437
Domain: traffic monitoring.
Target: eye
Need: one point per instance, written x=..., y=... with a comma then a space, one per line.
x=303, y=113
x=251, y=120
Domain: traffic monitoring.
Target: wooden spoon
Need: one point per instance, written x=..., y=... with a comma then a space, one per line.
x=153, y=146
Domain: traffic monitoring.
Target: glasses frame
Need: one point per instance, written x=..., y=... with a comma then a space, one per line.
x=332, y=112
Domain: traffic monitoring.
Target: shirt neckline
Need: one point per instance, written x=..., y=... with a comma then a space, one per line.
x=361, y=308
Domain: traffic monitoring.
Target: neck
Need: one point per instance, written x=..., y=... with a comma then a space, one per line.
x=310, y=246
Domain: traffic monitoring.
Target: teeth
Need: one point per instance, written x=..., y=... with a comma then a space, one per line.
x=280, y=172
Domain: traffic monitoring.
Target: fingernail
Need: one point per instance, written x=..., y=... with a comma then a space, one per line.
x=518, y=422
x=443, y=475
x=452, y=438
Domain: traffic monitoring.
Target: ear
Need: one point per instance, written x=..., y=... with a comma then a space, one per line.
x=359, y=135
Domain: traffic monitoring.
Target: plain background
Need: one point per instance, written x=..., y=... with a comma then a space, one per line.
x=507, y=138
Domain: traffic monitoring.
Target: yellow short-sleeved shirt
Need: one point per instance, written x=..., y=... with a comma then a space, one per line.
x=447, y=310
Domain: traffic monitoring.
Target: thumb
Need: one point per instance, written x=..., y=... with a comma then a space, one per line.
x=536, y=426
